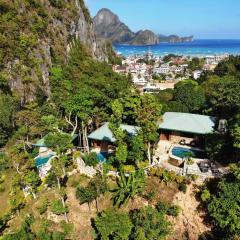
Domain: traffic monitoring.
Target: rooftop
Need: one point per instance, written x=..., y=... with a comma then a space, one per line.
x=105, y=134
x=41, y=142
x=187, y=122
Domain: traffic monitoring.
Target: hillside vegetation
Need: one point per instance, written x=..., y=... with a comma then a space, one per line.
x=57, y=84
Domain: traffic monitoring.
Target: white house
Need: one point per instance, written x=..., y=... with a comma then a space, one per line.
x=197, y=74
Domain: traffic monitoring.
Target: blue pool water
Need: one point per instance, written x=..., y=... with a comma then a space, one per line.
x=185, y=152
x=195, y=48
x=39, y=161
x=102, y=156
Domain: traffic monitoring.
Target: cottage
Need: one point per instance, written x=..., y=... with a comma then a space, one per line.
x=102, y=139
x=177, y=127
x=45, y=155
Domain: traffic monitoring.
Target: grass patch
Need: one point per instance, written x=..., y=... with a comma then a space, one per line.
x=77, y=179
x=159, y=191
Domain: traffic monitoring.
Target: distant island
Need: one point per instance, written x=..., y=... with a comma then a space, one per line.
x=108, y=25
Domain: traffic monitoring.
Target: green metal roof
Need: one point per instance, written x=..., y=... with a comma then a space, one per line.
x=105, y=134
x=41, y=143
x=187, y=122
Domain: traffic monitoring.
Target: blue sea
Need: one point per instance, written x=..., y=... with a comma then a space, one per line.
x=195, y=48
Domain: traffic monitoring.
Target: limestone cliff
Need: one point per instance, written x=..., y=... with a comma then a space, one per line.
x=145, y=37
x=35, y=34
x=107, y=25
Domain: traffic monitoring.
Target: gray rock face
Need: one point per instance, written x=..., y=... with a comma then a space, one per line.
x=63, y=26
x=145, y=37
x=83, y=30
x=108, y=26
x=175, y=39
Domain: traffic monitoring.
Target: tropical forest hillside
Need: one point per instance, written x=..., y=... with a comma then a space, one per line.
x=57, y=86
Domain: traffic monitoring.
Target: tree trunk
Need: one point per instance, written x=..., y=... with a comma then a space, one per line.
x=80, y=138
x=58, y=181
x=34, y=195
x=83, y=136
x=101, y=168
x=89, y=207
x=86, y=139
x=73, y=125
x=65, y=214
x=149, y=154
x=97, y=204
x=17, y=165
x=64, y=172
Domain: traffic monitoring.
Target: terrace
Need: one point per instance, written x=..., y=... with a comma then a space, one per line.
x=182, y=137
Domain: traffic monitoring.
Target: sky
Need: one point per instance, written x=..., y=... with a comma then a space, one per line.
x=205, y=19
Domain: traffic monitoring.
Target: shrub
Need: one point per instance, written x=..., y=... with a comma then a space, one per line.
x=148, y=223
x=159, y=172
x=128, y=168
x=43, y=208
x=205, y=195
x=194, y=177
x=150, y=195
x=172, y=175
x=182, y=187
x=51, y=179
x=173, y=211
x=4, y=162
x=169, y=209
x=68, y=228
x=143, y=164
x=86, y=194
x=76, y=154
x=91, y=159
x=152, y=171
x=162, y=207
x=112, y=224
x=179, y=179
x=58, y=208
x=167, y=176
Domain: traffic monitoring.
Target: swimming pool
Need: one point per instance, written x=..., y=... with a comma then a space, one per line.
x=39, y=161
x=182, y=152
x=102, y=156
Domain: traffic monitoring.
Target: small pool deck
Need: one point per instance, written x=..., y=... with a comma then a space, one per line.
x=162, y=156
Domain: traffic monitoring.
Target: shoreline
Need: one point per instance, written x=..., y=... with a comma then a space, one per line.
x=197, y=48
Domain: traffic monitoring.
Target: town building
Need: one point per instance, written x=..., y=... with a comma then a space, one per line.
x=197, y=74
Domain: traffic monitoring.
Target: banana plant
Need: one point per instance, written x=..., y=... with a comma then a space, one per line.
x=129, y=185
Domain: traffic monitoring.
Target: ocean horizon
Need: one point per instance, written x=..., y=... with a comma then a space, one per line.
x=199, y=47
